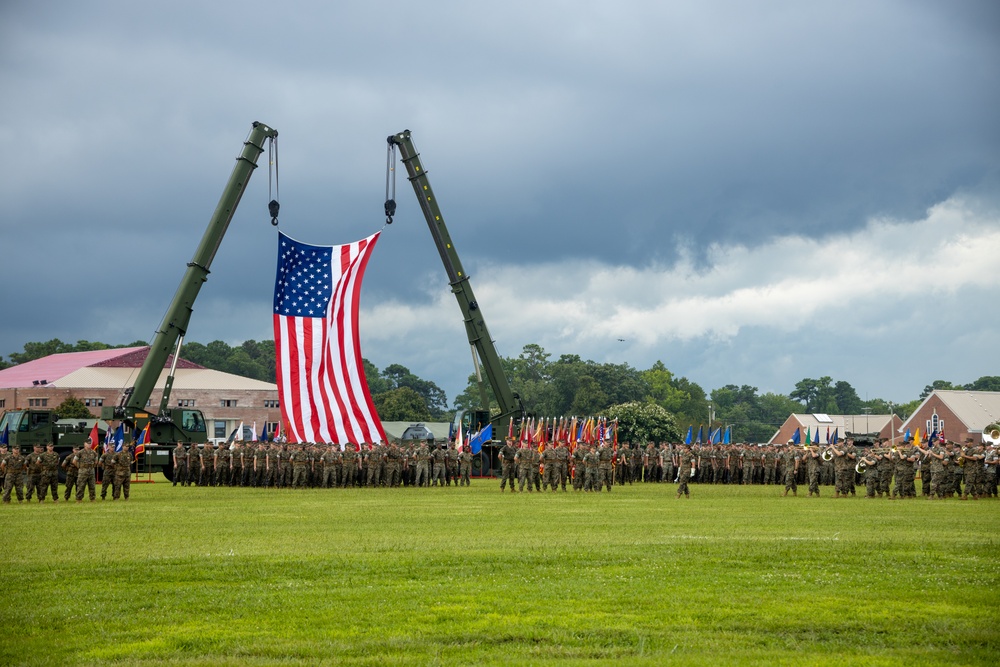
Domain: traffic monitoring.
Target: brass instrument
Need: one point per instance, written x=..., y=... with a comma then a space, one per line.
x=827, y=455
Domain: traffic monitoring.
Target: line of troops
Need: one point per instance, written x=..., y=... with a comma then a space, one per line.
x=35, y=474
x=589, y=466
x=945, y=468
x=321, y=465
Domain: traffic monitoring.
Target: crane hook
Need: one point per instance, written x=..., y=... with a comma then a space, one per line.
x=272, y=208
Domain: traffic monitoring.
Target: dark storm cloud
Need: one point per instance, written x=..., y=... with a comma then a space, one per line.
x=628, y=133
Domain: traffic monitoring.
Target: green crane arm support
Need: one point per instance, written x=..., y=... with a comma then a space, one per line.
x=475, y=324
x=178, y=315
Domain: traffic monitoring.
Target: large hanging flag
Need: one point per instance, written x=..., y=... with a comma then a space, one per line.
x=687, y=440
x=321, y=381
x=797, y=436
x=95, y=437
x=119, y=438
x=5, y=436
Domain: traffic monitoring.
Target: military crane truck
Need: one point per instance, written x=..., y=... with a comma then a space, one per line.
x=484, y=352
x=167, y=425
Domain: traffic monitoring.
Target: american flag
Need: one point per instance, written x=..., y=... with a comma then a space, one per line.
x=321, y=382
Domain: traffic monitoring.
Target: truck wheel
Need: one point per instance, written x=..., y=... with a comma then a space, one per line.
x=168, y=471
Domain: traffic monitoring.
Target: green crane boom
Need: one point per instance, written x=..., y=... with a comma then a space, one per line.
x=475, y=324
x=174, y=326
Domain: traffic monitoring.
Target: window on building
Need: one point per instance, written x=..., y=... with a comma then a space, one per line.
x=219, y=428
x=3, y=402
x=38, y=402
x=270, y=403
x=93, y=402
x=227, y=403
x=185, y=403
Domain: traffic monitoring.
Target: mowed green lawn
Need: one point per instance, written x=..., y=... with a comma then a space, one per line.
x=734, y=575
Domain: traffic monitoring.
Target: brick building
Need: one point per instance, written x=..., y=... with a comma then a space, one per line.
x=956, y=415
x=98, y=378
x=860, y=427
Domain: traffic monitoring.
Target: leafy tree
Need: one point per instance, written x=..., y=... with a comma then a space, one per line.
x=937, y=384
x=847, y=399
x=985, y=383
x=73, y=408
x=818, y=395
x=590, y=398
x=642, y=421
x=399, y=377
x=401, y=404
x=376, y=383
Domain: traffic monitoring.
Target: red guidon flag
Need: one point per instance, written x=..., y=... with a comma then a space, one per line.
x=321, y=382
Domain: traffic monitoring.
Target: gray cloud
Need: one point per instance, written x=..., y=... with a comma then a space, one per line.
x=635, y=134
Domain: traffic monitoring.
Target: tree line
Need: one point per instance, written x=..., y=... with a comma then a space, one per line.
x=568, y=385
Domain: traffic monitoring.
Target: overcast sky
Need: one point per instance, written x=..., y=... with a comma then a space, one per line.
x=752, y=193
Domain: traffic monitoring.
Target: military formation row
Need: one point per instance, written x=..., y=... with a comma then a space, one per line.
x=313, y=465
x=37, y=473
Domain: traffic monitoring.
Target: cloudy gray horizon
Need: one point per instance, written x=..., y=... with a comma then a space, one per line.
x=752, y=193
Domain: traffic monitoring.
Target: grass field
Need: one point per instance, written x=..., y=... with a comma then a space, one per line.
x=734, y=575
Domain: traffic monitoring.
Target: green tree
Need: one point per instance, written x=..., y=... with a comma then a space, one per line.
x=847, y=399
x=817, y=395
x=73, y=408
x=401, y=404
x=590, y=398
x=985, y=383
x=937, y=384
x=642, y=421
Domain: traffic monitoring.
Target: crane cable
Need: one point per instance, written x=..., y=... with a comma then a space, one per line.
x=272, y=170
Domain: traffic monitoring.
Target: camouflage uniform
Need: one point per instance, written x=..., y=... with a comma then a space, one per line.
x=523, y=459
x=180, y=465
x=437, y=465
x=350, y=465
x=206, y=465
x=465, y=467
x=85, y=460
x=591, y=462
x=376, y=461
x=814, y=466
x=605, y=455
x=12, y=466
x=394, y=466
x=222, y=462
x=905, y=474
x=509, y=472
x=451, y=465
x=34, y=476
x=550, y=461
x=685, y=467
x=69, y=465
x=992, y=460
x=299, y=460
x=423, y=474
x=791, y=459
x=562, y=465
x=49, y=460
x=579, y=473
x=123, y=474
x=107, y=463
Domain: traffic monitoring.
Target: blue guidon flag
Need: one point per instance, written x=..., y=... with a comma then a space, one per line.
x=321, y=382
